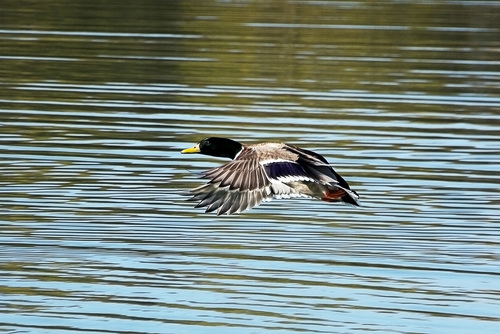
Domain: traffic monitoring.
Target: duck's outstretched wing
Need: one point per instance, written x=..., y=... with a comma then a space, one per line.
x=247, y=181
x=234, y=187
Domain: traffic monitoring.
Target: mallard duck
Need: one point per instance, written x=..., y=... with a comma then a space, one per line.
x=262, y=172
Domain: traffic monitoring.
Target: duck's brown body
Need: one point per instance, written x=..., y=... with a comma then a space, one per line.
x=265, y=171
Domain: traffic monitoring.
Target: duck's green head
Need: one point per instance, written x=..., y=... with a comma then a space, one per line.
x=217, y=147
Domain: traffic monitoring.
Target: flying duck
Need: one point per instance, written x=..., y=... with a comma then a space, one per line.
x=264, y=171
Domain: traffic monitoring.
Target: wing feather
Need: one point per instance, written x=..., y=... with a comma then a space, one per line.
x=234, y=187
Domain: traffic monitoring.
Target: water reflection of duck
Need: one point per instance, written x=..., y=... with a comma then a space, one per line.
x=265, y=171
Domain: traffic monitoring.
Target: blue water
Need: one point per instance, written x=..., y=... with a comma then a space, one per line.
x=99, y=99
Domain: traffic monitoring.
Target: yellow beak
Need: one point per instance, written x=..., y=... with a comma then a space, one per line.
x=195, y=149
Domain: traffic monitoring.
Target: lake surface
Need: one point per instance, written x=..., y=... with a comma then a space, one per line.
x=98, y=98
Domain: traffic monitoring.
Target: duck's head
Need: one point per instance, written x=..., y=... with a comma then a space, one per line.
x=217, y=147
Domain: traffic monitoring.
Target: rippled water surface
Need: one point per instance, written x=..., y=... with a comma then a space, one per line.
x=98, y=98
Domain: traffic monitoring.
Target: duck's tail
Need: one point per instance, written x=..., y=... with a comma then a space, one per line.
x=341, y=194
